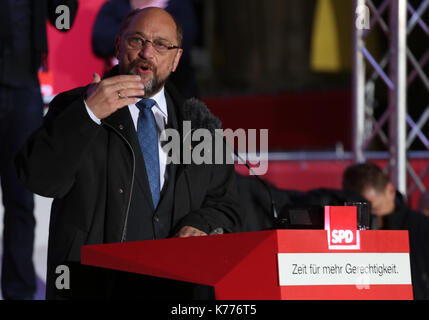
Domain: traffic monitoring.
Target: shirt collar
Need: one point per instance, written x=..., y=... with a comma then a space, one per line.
x=160, y=110
x=161, y=103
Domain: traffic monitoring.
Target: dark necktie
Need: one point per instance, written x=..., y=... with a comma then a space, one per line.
x=147, y=133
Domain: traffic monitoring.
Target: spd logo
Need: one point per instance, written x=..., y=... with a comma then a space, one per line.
x=342, y=236
x=341, y=227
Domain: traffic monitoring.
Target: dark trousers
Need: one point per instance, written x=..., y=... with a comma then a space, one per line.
x=21, y=112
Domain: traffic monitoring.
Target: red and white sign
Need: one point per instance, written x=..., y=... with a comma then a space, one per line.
x=357, y=269
x=341, y=227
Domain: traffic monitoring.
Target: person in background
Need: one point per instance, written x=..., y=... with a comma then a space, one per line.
x=23, y=49
x=390, y=212
x=113, y=12
x=424, y=203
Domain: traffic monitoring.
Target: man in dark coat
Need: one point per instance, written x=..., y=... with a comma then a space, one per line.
x=390, y=212
x=87, y=156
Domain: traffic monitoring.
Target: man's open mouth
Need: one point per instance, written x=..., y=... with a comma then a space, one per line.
x=144, y=68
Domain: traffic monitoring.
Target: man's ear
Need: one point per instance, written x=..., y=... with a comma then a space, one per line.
x=391, y=190
x=176, y=59
x=117, y=45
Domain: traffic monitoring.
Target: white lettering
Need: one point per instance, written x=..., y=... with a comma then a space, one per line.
x=338, y=236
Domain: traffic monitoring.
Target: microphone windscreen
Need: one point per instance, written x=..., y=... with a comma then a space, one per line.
x=200, y=116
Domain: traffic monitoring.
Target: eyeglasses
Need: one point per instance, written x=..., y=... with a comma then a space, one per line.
x=160, y=45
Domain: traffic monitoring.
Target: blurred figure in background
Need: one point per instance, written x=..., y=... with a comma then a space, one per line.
x=23, y=49
x=424, y=203
x=390, y=212
x=113, y=12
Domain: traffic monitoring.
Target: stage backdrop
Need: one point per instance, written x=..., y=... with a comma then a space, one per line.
x=71, y=62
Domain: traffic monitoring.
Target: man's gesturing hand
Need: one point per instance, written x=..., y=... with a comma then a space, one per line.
x=106, y=96
x=188, y=231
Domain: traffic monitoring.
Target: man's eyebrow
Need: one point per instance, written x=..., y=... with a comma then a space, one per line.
x=138, y=32
x=144, y=36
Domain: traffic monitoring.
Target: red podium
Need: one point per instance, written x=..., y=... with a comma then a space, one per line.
x=278, y=264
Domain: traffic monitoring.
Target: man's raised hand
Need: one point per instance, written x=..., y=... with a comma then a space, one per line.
x=106, y=96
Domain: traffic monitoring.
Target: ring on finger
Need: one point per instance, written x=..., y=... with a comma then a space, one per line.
x=119, y=95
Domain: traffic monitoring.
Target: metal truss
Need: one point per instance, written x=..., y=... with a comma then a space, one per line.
x=392, y=71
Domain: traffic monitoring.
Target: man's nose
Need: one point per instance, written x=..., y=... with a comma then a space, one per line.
x=147, y=50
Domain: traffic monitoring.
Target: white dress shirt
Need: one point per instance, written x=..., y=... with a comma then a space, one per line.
x=161, y=117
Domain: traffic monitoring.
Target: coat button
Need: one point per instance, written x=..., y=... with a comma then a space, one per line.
x=156, y=219
x=121, y=191
x=121, y=127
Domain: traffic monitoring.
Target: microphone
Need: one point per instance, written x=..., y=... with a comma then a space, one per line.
x=200, y=116
x=197, y=112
